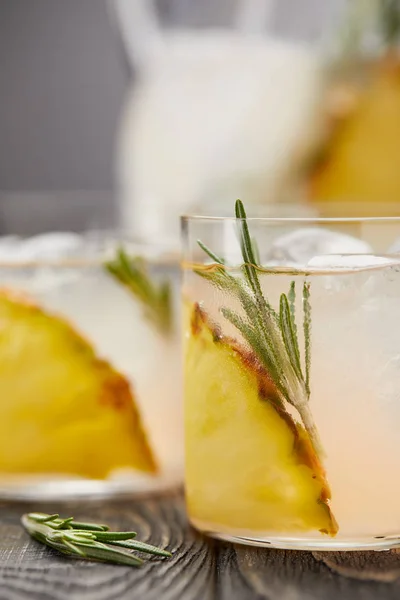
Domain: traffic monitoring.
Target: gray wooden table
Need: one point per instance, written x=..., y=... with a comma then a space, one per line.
x=201, y=569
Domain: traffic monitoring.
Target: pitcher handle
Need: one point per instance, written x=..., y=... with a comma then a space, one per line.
x=139, y=28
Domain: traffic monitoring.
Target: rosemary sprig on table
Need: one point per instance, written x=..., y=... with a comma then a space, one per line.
x=271, y=334
x=87, y=540
x=155, y=300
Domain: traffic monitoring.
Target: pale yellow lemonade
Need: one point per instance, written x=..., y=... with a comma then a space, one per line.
x=318, y=472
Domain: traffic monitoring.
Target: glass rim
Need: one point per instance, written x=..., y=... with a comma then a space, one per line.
x=103, y=233
x=281, y=220
x=93, y=247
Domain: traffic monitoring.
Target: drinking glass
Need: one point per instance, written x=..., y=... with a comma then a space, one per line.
x=90, y=366
x=292, y=378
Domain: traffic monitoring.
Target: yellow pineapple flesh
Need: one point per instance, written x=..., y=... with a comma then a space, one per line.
x=249, y=466
x=62, y=409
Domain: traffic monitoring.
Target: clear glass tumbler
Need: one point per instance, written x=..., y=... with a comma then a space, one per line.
x=292, y=379
x=90, y=366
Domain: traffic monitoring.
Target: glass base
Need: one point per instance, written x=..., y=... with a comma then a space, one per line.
x=57, y=488
x=323, y=543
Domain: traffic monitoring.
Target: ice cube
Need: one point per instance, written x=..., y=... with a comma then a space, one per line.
x=50, y=246
x=395, y=247
x=46, y=246
x=342, y=266
x=300, y=246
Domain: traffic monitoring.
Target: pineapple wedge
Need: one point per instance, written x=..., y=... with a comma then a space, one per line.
x=361, y=164
x=249, y=466
x=62, y=409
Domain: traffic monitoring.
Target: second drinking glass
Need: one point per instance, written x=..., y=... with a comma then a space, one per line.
x=89, y=366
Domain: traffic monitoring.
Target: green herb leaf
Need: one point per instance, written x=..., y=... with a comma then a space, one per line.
x=155, y=300
x=210, y=253
x=142, y=547
x=289, y=336
x=307, y=333
x=90, y=541
x=271, y=335
x=105, y=536
x=291, y=296
x=88, y=526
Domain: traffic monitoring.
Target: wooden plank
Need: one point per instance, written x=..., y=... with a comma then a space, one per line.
x=30, y=570
x=255, y=574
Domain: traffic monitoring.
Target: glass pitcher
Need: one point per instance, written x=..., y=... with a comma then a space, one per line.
x=224, y=104
x=269, y=101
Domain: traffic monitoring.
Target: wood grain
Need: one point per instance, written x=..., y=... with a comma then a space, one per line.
x=254, y=574
x=200, y=569
x=374, y=566
x=30, y=570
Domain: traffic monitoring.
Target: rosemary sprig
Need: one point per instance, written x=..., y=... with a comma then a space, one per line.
x=87, y=540
x=389, y=13
x=272, y=335
x=363, y=17
x=156, y=300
